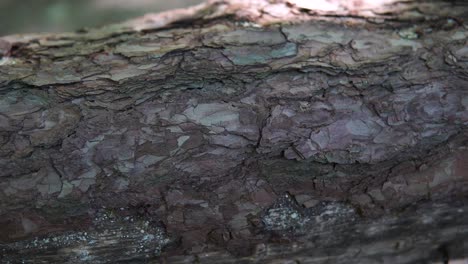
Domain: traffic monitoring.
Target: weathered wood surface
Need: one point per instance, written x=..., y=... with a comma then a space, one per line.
x=194, y=122
x=433, y=233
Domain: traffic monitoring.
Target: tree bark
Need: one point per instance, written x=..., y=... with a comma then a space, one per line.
x=240, y=131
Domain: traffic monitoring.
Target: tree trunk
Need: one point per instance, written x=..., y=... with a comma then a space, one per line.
x=240, y=132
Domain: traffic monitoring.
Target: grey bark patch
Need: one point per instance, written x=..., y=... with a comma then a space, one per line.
x=50, y=184
x=259, y=55
x=359, y=128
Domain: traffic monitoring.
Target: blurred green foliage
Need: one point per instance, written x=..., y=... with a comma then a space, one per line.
x=28, y=16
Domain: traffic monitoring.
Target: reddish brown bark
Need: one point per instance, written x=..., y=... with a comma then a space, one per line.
x=246, y=128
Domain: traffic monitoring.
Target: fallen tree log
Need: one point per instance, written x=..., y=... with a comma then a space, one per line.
x=239, y=130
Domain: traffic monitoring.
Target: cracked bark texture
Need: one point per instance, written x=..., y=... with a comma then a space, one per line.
x=240, y=132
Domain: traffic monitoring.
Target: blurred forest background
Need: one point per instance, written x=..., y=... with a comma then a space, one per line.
x=30, y=16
